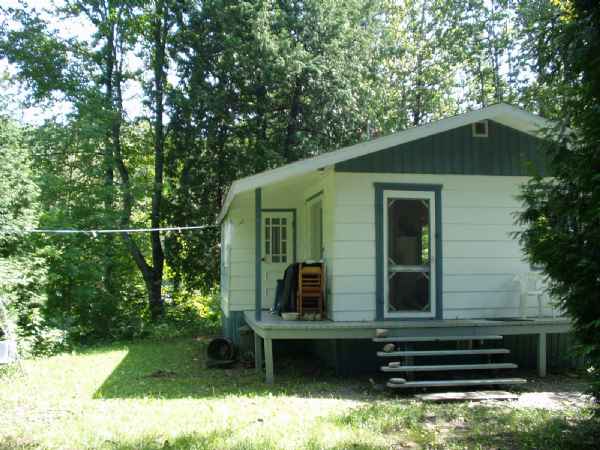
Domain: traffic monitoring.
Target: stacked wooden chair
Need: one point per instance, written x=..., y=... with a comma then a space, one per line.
x=311, y=290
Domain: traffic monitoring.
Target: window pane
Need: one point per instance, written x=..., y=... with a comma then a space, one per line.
x=283, y=248
x=408, y=232
x=408, y=291
x=276, y=241
x=275, y=258
x=275, y=221
x=267, y=247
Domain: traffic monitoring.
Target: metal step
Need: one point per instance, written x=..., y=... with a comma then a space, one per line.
x=444, y=383
x=436, y=338
x=444, y=367
x=483, y=351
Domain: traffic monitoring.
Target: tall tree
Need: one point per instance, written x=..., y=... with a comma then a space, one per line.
x=21, y=272
x=417, y=62
x=260, y=84
x=92, y=76
x=159, y=15
x=562, y=214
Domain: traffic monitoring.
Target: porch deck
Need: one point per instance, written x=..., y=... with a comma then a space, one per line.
x=270, y=327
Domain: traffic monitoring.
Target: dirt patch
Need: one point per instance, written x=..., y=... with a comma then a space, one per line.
x=556, y=392
x=162, y=374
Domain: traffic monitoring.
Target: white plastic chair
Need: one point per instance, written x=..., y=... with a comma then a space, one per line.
x=532, y=284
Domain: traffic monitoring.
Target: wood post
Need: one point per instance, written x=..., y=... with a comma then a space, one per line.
x=258, y=353
x=269, y=360
x=542, y=354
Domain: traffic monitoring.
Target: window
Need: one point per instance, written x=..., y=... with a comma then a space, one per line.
x=226, y=243
x=316, y=229
x=276, y=239
x=480, y=129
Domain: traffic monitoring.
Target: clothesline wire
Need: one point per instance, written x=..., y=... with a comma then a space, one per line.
x=105, y=231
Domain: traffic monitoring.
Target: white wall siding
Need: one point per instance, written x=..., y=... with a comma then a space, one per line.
x=480, y=256
x=241, y=282
x=289, y=195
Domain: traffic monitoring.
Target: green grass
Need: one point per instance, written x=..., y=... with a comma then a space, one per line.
x=114, y=398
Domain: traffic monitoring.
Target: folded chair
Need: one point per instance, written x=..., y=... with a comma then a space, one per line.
x=311, y=289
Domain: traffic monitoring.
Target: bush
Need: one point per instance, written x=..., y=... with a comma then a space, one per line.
x=562, y=213
x=46, y=341
x=188, y=314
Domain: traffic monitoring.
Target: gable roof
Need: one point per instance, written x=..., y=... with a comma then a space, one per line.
x=508, y=115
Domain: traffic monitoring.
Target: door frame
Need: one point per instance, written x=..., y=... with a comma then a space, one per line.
x=308, y=203
x=292, y=242
x=410, y=195
x=380, y=252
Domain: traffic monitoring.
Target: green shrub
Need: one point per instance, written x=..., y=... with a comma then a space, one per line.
x=188, y=314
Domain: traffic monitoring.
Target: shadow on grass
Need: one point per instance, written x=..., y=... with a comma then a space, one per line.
x=193, y=441
x=464, y=425
x=531, y=429
x=221, y=440
x=177, y=369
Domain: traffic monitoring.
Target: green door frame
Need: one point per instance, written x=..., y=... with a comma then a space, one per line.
x=379, y=287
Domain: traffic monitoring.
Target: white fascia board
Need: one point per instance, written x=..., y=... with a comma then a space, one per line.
x=505, y=114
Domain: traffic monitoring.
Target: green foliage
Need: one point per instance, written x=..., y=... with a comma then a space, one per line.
x=188, y=314
x=562, y=214
x=93, y=288
x=195, y=312
x=21, y=270
x=252, y=85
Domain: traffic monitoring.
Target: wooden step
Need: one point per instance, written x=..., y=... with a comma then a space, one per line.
x=482, y=351
x=446, y=383
x=436, y=338
x=444, y=367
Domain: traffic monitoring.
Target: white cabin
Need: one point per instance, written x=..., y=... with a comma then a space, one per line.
x=415, y=226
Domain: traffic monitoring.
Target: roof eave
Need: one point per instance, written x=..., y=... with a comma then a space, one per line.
x=506, y=114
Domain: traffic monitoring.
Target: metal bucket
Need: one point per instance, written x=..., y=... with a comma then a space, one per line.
x=220, y=352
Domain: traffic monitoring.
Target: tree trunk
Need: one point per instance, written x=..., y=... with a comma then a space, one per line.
x=155, y=299
x=108, y=162
x=418, y=109
x=160, y=27
x=292, y=123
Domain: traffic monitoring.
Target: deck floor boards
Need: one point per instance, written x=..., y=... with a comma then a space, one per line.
x=268, y=327
x=273, y=326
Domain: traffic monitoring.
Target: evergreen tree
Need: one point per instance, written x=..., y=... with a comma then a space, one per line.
x=562, y=213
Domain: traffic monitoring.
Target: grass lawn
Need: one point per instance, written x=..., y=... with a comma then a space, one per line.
x=158, y=395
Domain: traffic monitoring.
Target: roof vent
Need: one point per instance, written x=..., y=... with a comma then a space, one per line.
x=480, y=129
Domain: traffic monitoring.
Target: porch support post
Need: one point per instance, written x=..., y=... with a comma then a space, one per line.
x=269, y=360
x=258, y=253
x=542, y=354
x=379, y=301
x=258, y=352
